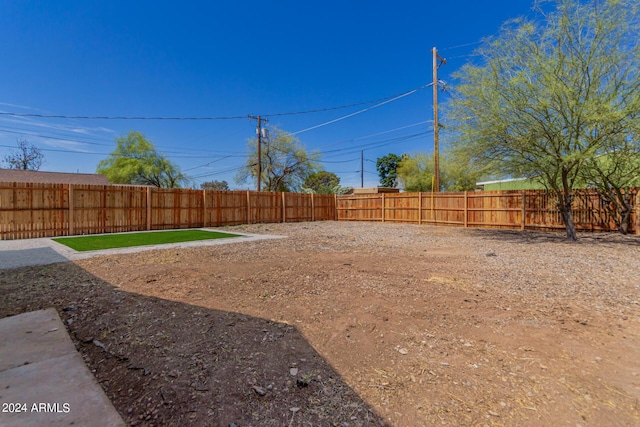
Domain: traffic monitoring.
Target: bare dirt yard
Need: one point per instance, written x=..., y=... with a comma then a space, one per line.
x=357, y=324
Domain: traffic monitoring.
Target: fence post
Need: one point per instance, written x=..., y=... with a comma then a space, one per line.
x=382, y=207
x=420, y=208
x=312, y=209
x=524, y=210
x=433, y=219
x=248, y=208
x=70, y=229
x=204, y=208
x=148, y=208
x=466, y=209
x=284, y=207
x=335, y=207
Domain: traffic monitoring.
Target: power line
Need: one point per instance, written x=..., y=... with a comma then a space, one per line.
x=364, y=109
x=33, y=134
x=462, y=45
x=375, y=144
x=340, y=107
x=214, y=161
x=163, y=149
x=379, y=133
x=291, y=113
x=338, y=161
x=59, y=116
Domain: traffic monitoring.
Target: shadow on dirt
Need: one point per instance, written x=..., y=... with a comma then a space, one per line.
x=527, y=236
x=163, y=362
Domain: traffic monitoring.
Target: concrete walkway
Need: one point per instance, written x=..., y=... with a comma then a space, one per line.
x=44, y=380
x=29, y=252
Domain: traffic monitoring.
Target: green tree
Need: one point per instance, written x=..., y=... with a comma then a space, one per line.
x=285, y=162
x=612, y=175
x=387, y=167
x=552, y=94
x=415, y=173
x=322, y=182
x=136, y=161
x=27, y=157
x=215, y=185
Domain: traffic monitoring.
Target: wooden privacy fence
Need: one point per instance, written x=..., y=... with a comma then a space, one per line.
x=530, y=210
x=29, y=210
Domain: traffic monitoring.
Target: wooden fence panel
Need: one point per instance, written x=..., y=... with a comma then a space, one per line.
x=359, y=207
x=225, y=208
x=297, y=207
x=174, y=208
x=107, y=209
x=30, y=210
x=324, y=207
x=265, y=207
x=448, y=209
x=402, y=207
x=495, y=209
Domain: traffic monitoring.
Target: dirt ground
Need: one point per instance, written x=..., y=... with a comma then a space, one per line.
x=357, y=324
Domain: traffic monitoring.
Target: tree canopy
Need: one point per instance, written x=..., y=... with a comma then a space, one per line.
x=321, y=182
x=387, y=167
x=215, y=185
x=551, y=95
x=285, y=162
x=136, y=161
x=416, y=173
x=26, y=157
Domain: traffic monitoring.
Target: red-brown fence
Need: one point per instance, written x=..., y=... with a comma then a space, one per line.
x=531, y=210
x=45, y=210
x=29, y=210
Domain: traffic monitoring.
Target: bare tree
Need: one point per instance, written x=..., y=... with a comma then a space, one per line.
x=285, y=163
x=26, y=157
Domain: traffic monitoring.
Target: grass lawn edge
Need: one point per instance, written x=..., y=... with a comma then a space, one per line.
x=97, y=242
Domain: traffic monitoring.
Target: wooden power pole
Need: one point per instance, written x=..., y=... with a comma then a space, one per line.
x=259, y=132
x=436, y=147
x=361, y=168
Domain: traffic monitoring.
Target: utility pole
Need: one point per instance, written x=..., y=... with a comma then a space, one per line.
x=361, y=168
x=436, y=148
x=259, y=132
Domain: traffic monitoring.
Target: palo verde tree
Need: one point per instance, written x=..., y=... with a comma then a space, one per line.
x=285, y=162
x=416, y=173
x=26, y=157
x=552, y=94
x=613, y=175
x=136, y=161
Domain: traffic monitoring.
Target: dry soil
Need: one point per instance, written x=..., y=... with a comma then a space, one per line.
x=357, y=324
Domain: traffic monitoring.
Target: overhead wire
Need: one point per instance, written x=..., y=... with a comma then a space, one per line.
x=180, y=154
x=363, y=110
x=212, y=118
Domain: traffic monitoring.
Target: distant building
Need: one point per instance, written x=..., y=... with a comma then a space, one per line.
x=375, y=190
x=14, y=175
x=509, y=184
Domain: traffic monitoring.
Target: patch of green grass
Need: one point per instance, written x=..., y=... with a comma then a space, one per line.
x=125, y=240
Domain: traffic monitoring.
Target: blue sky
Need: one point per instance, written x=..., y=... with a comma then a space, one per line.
x=232, y=58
